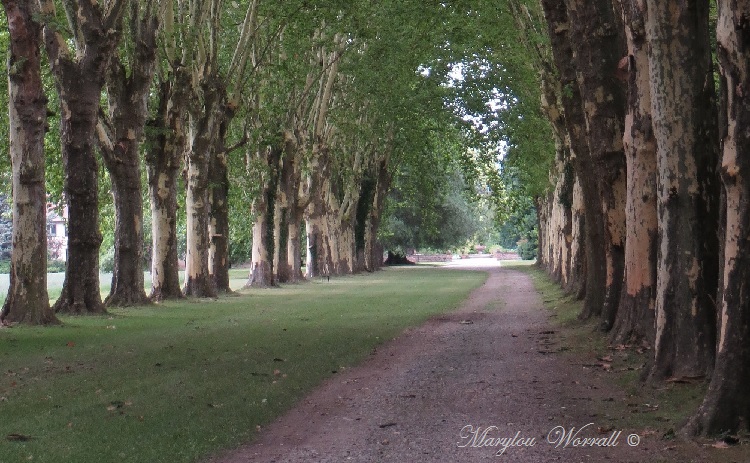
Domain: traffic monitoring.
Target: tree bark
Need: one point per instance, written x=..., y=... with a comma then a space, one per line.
x=218, y=259
x=261, y=269
x=558, y=24
x=27, y=300
x=596, y=36
x=204, y=123
x=120, y=134
x=79, y=81
x=319, y=254
x=684, y=120
x=726, y=406
x=635, y=318
x=373, y=250
x=163, y=160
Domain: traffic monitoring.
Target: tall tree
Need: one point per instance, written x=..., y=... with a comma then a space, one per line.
x=79, y=75
x=636, y=314
x=165, y=149
x=726, y=406
x=559, y=27
x=120, y=132
x=597, y=37
x=684, y=118
x=27, y=300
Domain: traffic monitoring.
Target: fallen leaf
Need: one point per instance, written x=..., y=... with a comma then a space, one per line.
x=276, y=372
x=607, y=359
x=71, y=344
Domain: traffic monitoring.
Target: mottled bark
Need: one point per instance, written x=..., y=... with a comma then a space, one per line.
x=204, y=123
x=576, y=285
x=726, y=406
x=120, y=133
x=261, y=267
x=558, y=24
x=596, y=37
x=635, y=318
x=163, y=160
x=79, y=76
x=291, y=209
x=319, y=253
x=684, y=119
x=27, y=300
x=218, y=259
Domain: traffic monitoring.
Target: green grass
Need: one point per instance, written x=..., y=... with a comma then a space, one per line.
x=177, y=381
x=237, y=279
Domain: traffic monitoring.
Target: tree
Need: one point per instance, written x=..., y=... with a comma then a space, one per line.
x=726, y=407
x=120, y=131
x=79, y=76
x=636, y=314
x=165, y=145
x=687, y=198
x=27, y=300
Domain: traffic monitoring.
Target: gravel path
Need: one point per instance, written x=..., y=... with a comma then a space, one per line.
x=489, y=369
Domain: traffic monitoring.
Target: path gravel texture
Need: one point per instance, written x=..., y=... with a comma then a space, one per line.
x=459, y=388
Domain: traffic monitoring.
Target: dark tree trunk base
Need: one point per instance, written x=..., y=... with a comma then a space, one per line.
x=397, y=259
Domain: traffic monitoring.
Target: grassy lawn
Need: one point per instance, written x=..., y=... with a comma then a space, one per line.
x=177, y=381
x=238, y=278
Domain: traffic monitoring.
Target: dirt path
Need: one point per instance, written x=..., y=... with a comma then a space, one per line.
x=490, y=366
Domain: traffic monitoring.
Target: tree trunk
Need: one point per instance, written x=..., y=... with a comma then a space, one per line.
x=79, y=107
x=726, y=406
x=294, y=246
x=635, y=318
x=79, y=77
x=203, y=130
x=373, y=249
x=128, y=286
x=596, y=36
x=218, y=260
x=281, y=267
x=684, y=119
x=319, y=254
x=559, y=25
x=120, y=133
x=27, y=300
x=261, y=272
x=576, y=285
x=261, y=269
x=163, y=160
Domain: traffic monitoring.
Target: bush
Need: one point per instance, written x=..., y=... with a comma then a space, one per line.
x=55, y=266
x=527, y=250
x=107, y=261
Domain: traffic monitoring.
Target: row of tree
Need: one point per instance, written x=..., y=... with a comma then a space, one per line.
x=306, y=109
x=647, y=216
